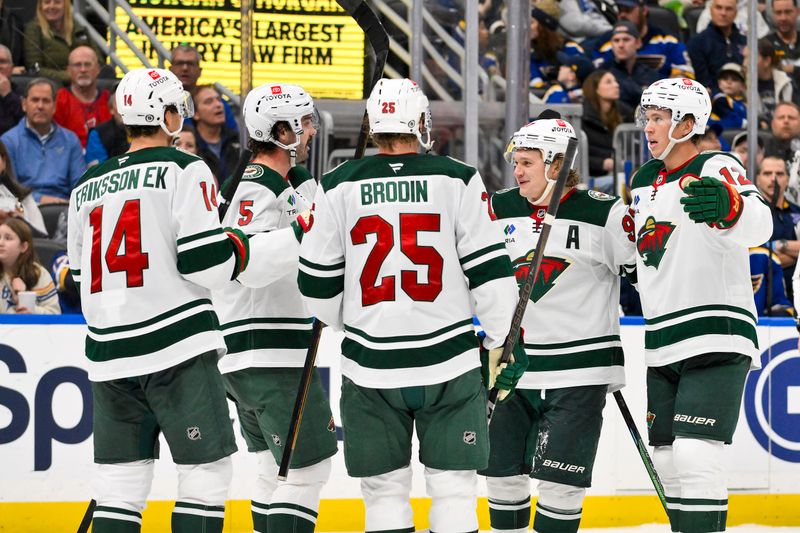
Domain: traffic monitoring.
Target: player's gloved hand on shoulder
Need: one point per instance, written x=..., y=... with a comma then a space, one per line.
x=241, y=249
x=503, y=376
x=302, y=224
x=711, y=201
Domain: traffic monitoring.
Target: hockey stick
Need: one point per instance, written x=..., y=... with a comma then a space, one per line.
x=87, y=517
x=536, y=263
x=640, y=447
x=228, y=192
x=376, y=34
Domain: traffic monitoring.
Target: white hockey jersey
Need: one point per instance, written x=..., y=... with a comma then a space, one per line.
x=694, y=279
x=402, y=252
x=572, y=321
x=268, y=326
x=146, y=246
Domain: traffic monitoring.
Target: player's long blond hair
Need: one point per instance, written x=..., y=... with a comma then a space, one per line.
x=67, y=26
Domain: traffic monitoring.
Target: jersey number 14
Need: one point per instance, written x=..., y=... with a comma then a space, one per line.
x=127, y=234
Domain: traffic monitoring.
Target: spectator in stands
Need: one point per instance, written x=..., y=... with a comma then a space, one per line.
x=728, y=107
x=602, y=113
x=785, y=139
x=49, y=38
x=187, y=139
x=774, y=85
x=546, y=42
x=12, y=36
x=771, y=180
x=582, y=19
x=631, y=75
x=185, y=64
x=761, y=259
x=659, y=50
x=82, y=106
x=21, y=272
x=572, y=72
x=741, y=22
x=16, y=200
x=108, y=139
x=712, y=140
x=10, y=102
x=784, y=38
x=218, y=145
x=721, y=42
x=739, y=148
x=46, y=157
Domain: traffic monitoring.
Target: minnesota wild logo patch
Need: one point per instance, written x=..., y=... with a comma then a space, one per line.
x=253, y=172
x=651, y=243
x=551, y=269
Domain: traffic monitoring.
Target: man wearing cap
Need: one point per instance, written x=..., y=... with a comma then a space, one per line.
x=721, y=42
x=631, y=75
x=728, y=107
x=659, y=50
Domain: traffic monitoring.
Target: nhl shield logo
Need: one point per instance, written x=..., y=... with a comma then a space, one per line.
x=276, y=439
x=193, y=433
x=651, y=243
x=470, y=437
x=551, y=269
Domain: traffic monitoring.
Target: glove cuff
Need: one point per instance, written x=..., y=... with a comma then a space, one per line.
x=241, y=250
x=735, y=210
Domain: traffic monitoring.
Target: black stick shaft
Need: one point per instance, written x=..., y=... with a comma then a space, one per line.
x=536, y=263
x=236, y=178
x=376, y=34
x=640, y=447
x=87, y=517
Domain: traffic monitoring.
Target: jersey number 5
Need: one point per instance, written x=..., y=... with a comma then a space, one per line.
x=410, y=225
x=127, y=231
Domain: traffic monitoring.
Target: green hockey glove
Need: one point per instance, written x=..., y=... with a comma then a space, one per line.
x=302, y=224
x=501, y=375
x=241, y=249
x=712, y=201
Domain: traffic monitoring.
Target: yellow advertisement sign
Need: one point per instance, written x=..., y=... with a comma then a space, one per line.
x=313, y=43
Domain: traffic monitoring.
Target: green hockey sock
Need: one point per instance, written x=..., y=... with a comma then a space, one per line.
x=196, y=518
x=703, y=516
x=259, y=512
x=674, y=513
x=115, y=520
x=291, y=518
x=510, y=517
x=549, y=520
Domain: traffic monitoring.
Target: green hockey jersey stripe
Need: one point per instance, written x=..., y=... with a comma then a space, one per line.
x=204, y=257
x=152, y=321
x=277, y=321
x=403, y=358
x=612, y=356
x=494, y=268
x=452, y=329
x=197, y=236
x=483, y=251
x=99, y=351
x=700, y=309
x=699, y=327
x=608, y=340
x=262, y=339
x=324, y=268
x=319, y=287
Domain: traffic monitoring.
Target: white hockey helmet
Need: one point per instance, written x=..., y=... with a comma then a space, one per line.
x=144, y=94
x=550, y=136
x=398, y=106
x=682, y=97
x=271, y=103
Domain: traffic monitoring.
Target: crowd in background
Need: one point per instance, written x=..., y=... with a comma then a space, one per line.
x=599, y=54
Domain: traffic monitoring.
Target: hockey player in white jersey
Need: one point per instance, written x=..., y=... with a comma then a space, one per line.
x=571, y=336
x=400, y=247
x=268, y=330
x=146, y=246
x=696, y=215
